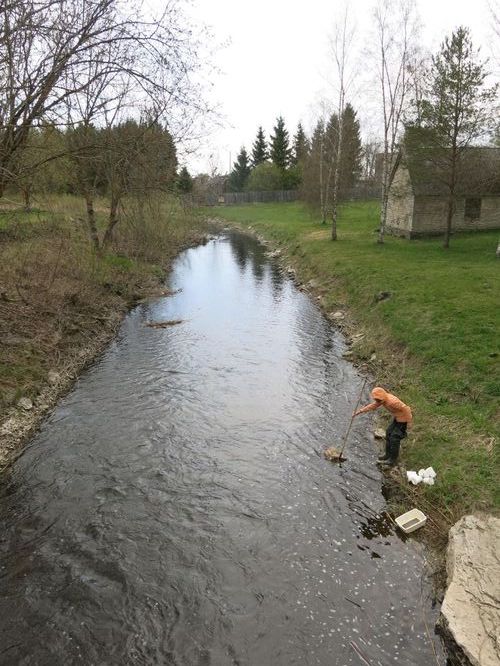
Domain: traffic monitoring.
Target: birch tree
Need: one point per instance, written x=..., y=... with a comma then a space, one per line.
x=495, y=23
x=396, y=32
x=342, y=51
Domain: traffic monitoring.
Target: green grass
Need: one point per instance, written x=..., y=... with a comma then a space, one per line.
x=118, y=261
x=436, y=338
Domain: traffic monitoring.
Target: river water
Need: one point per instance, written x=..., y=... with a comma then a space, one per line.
x=175, y=507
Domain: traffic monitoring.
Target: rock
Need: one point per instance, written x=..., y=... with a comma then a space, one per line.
x=53, y=377
x=373, y=357
x=470, y=614
x=337, y=315
x=333, y=454
x=9, y=427
x=25, y=403
x=379, y=433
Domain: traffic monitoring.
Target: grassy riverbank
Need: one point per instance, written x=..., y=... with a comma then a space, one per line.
x=435, y=339
x=60, y=302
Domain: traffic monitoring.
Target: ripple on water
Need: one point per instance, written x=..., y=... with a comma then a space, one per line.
x=175, y=508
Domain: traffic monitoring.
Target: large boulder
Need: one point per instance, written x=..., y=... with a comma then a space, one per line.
x=470, y=614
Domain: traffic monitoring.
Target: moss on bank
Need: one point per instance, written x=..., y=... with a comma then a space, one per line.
x=433, y=340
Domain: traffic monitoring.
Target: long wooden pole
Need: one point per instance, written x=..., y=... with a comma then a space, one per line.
x=352, y=418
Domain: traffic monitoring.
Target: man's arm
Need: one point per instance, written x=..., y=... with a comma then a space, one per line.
x=368, y=408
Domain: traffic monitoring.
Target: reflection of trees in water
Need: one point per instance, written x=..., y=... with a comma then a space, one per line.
x=247, y=251
x=259, y=262
x=319, y=363
x=239, y=248
x=277, y=280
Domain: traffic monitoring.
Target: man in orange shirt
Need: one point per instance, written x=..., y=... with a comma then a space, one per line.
x=397, y=428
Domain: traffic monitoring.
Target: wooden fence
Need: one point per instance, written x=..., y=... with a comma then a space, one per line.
x=236, y=198
x=360, y=192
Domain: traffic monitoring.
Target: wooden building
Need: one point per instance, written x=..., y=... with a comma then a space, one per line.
x=418, y=196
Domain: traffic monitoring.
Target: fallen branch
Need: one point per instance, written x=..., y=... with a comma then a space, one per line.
x=164, y=324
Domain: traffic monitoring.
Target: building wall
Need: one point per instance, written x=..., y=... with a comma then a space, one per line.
x=430, y=216
x=400, y=204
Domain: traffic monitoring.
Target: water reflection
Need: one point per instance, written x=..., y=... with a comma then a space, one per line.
x=247, y=252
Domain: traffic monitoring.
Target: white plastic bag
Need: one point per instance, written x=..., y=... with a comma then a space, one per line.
x=426, y=476
x=413, y=477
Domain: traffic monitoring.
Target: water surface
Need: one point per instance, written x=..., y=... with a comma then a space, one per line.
x=175, y=507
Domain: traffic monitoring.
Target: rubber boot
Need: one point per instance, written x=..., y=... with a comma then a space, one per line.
x=384, y=457
x=393, y=452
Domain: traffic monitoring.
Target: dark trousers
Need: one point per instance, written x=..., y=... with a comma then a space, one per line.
x=393, y=436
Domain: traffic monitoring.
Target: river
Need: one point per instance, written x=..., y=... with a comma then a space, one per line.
x=175, y=507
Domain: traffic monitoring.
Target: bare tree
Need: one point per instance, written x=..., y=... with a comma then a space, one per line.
x=99, y=100
x=312, y=186
x=495, y=20
x=495, y=23
x=139, y=159
x=52, y=51
x=396, y=28
x=342, y=50
x=371, y=148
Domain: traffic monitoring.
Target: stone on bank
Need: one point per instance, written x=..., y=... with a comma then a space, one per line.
x=470, y=614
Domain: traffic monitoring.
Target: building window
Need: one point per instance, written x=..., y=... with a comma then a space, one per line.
x=473, y=208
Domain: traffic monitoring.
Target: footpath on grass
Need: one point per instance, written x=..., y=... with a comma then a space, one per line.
x=424, y=323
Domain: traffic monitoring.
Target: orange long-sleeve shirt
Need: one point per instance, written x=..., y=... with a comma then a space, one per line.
x=397, y=407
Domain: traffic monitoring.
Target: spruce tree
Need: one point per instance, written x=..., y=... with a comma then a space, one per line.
x=312, y=172
x=280, y=150
x=300, y=146
x=184, y=181
x=455, y=111
x=350, y=167
x=259, y=149
x=241, y=170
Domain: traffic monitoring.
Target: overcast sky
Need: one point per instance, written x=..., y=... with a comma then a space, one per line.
x=276, y=61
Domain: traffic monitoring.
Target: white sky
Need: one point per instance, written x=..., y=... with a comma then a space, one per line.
x=276, y=62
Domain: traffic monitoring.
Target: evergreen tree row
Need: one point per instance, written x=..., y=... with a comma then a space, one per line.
x=301, y=163
x=271, y=165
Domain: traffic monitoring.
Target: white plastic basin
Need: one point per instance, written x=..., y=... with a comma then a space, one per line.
x=411, y=520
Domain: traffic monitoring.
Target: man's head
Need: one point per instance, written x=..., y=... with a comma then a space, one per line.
x=378, y=394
